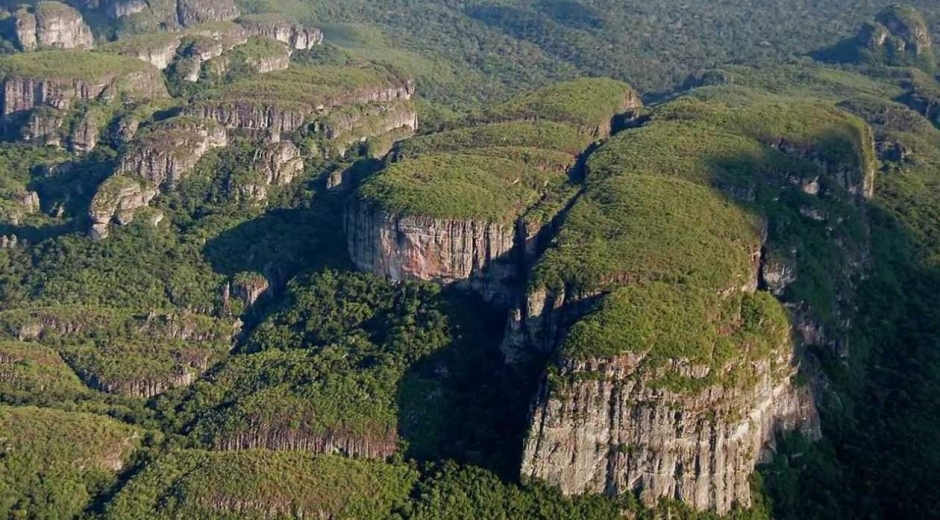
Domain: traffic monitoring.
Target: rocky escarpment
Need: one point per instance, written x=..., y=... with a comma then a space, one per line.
x=51, y=25
x=116, y=201
x=898, y=36
x=261, y=434
x=169, y=13
x=612, y=432
x=23, y=93
x=167, y=152
x=297, y=36
x=402, y=247
x=159, y=158
x=285, y=101
x=278, y=162
x=347, y=126
x=468, y=205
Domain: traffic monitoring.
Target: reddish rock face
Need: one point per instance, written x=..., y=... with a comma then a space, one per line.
x=420, y=248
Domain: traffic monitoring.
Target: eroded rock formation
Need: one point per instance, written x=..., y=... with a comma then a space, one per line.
x=52, y=25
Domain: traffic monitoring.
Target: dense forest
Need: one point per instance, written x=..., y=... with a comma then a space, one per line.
x=441, y=259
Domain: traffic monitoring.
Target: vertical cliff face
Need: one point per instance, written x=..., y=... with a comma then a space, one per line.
x=356, y=124
x=195, y=12
x=298, y=37
x=117, y=200
x=166, y=153
x=612, y=435
x=159, y=158
x=420, y=248
x=52, y=25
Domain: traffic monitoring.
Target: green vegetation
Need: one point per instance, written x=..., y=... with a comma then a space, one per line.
x=35, y=374
x=587, y=103
x=645, y=228
x=543, y=135
x=304, y=87
x=53, y=463
x=69, y=65
x=459, y=187
x=664, y=322
x=261, y=484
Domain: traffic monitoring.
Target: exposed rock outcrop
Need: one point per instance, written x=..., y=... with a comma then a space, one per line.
x=265, y=111
x=116, y=201
x=52, y=25
x=420, y=248
x=23, y=93
x=611, y=432
x=195, y=12
x=84, y=135
x=278, y=163
x=172, y=13
x=169, y=150
x=349, y=125
x=261, y=435
x=298, y=37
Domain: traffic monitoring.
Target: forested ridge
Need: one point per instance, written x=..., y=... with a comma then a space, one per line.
x=446, y=259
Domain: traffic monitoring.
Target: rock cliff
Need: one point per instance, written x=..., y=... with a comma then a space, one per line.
x=116, y=200
x=403, y=247
x=347, y=126
x=171, y=13
x=165, y=153
x=285, y=101
x=41, y=89
x=278, y=162
x=298, y=37
x=52, y=25
x=611, y=432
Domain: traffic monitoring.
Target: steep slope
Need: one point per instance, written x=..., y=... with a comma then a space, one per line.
x=251, y=485
x=52, y=462
x=672, y=372
x=466, y=204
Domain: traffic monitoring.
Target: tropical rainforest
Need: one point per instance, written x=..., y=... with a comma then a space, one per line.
x=489, y=259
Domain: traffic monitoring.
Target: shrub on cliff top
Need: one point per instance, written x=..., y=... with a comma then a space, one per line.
x=544, y=135
x=631, y=228
x=586, y=103
x=69, y=65
x=663, y=323
x=459, y=187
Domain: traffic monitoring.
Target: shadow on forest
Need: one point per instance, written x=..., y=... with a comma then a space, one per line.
x=464, y=403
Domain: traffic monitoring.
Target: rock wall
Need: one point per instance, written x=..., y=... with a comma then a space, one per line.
x=21, y=94
x=351, y=125
x=288, y=117
x=171, y=13
x=167, y=153
x=263, y=436
x=418, y=248
x=52, y=25
x=116, y=201
x=297, y=36
x=611, y=432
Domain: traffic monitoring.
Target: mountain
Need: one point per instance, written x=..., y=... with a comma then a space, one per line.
x=439, y=260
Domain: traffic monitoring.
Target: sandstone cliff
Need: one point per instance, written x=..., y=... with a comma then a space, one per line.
x=278, y=162
x=286, y=100
x=347, y=126
x=611, y=432
x=171, y=13
x=52, y=25
x=298, y=37
x=116, y=200
x=68, y=80
x=168, y=151
x=421, y=248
